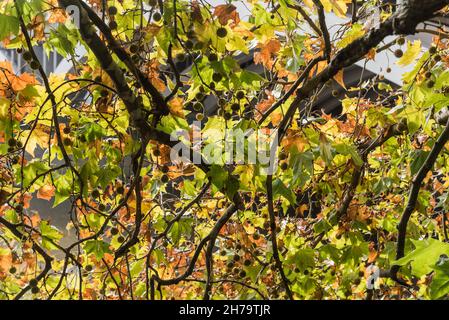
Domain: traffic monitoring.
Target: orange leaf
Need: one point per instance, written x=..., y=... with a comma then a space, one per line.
x=46, y=192
x=226, y=12
x=265, y=56
x=176, y=107
x=339, y=78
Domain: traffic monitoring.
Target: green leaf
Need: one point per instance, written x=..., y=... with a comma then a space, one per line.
x=97, y=247
x=439, y=286
x=8, y=25
x=424, y=256
x=49, y=233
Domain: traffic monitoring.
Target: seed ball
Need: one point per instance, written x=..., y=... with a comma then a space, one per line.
x=112, y=10
x=428, y=74
x=247, y=263
x=222, y=32
x=432, y=50
x=34, y=290
x=67, y=142
x=66, y=130
x=198, y=106
x=430, y=84
x=437, y=58
x=33, y=283
x=242, y=273
x=95, y=193
x=113, y=25
x=212, y=57
x=164, y=178
x=284, y=166
x=114, y=231
x=227, y=116
x=88, y=268
x=335, y=93
x=134, y=48
x=12, y=270
x=398, y=53
x=217, y=77
x=189, y=44
x=199, y=116
x=400, y=41
x=240, y=95
x=120, y=239
x=101, y=207
x=235, y=107
x=27, y=56
x=34, y=65
x=12, y=142
x=157, y=16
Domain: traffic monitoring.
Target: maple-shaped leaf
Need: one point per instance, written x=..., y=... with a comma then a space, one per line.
x=226, y=12
x=269, y=49
x=46, y=192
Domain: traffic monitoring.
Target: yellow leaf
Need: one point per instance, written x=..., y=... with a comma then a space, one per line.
x=411, y=53
x=351, y=35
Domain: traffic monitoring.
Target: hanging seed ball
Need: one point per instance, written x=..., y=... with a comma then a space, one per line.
x=198, y=106
x=398, y=53
x=34, y=65
x=157, y=16
x=164, y=178
x=112, y=10
x=284, y=166
x=88, y=268
x=66, y=130
x=388, y=70
x=12, y=270
x=240, y=95
x=428, y=74
x=222, y=32
x=430, y=84
x=189, y=44
x=113, y=25
x=217, y=77
x=27, y=56
x=235, y=107
x=120, y=239
x=400, y=41
x=212, y=57
x=335, y=93
x=133, y=48
x=114, y=231
x=34, y=290
x=432, y=50
x=33, y=283
x=437, y=58
x=199, y=116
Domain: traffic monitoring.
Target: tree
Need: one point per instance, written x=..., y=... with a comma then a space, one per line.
x=158, y=213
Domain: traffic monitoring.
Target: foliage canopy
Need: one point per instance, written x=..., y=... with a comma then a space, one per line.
x=367, y=187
